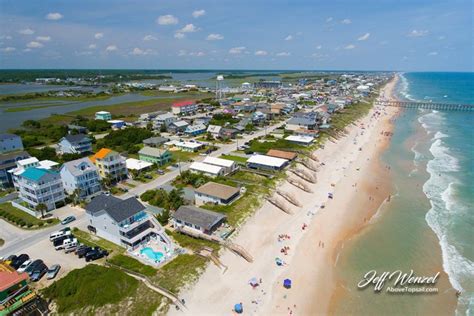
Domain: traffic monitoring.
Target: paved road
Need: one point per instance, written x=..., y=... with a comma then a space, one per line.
x=29, y=238
x=9, y=197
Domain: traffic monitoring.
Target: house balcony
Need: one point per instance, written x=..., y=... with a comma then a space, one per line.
x=138, y=233
x=126, y=228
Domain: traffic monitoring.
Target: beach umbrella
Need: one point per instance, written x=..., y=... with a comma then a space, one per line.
x=253, y=282
x=287, y=283
x=238, y=308
x=278, y=261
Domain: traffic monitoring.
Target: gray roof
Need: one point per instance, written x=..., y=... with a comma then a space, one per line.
x=73, y=166
x=156, y=140
x=198, y=216
x=118, y=209
x=150, y=151
x=301, y=121
x=75, y=138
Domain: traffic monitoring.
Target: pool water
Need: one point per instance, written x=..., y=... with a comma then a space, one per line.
x=152, y=255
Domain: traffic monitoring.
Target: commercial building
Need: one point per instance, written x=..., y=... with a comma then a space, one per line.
x=36, y=186
x=110, y=164
x=154, y=155
x=81, y=176
x=75, y=144
x=215, y=193
x=266, y=162
x=184, y=108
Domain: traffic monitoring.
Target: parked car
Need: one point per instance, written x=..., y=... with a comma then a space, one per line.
x=82, y=251
x=53, y=271
x=32, y=267
x=59, y=241
x=65, y=243
x=59, y=233
x=161, y=172
x=92, y=229
x=70, y=247
x=23, y=266
x=10, y=259
x=19, y=260
x=96, y=254
x=68, y=219
x=38, y=272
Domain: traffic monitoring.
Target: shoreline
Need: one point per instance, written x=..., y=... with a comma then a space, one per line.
x=260, y=234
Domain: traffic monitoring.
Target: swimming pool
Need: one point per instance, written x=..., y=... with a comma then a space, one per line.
x=152, y=255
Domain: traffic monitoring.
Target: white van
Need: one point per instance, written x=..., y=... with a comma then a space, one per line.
x=58, y=234
x=70, y=247
x=65, y=243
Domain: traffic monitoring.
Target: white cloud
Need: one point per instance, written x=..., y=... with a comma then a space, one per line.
x=140, y=52
x=111, y=48
x=167, y=20
x=283, y=54
x=197, y=54
x=350, y=46
x=84, y=53
x=432, y=53
x=182, y=52
x=346, y=21
x=364, y=37
x=149, y=38
x=98, y=35
x=188, y=28
x=5, y=37
x=261, y=53
x=199, y=13
x=8, y=49
x=417, y=33
x=214, y=37
x=26, y=50
x=237, y=50
x=329, y=19
x=179, y=35
x=54, y=16
x=289, y=38
x=92, y=46
x=319, y=46
x=27, y=31
x=34, y=44
x=43, y=38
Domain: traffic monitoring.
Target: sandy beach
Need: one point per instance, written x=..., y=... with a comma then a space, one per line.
x=351, y=171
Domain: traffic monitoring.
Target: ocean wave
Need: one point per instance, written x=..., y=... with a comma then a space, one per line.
x=440, y=135
x=440, y=190
x=405, y=88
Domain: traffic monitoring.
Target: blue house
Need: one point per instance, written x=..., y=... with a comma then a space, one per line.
x=193, y=130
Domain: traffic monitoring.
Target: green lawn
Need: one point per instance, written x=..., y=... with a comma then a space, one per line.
x=237, y=159
x=182, y=156
x=192, y=243
x=92, y=240
x=23, y=220
x=91, y=286
x=132, y=264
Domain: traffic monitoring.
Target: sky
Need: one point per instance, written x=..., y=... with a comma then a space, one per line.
x=402, y=35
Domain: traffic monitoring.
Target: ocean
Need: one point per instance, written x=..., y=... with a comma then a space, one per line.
x=428, y=226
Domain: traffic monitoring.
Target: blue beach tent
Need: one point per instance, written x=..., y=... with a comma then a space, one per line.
x=238, y=308
x=287, y=283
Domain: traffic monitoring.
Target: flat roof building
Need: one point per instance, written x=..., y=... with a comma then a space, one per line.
x=266, y=162
x=215, y=193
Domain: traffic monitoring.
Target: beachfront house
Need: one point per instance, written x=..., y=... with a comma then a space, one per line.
x=103, y=115
x=81, y=176
x=110, y=164
x=9, y=143
x=206, y=169
x=229, y=166
x=264, y=162
x=308, y=121
x=36, y=185
x=300, y=140
x=154, y=155
x=288, y=155
x=197, y=220
x=184, y=108
x=215, y=193
x=75, y=144
x=123, y=222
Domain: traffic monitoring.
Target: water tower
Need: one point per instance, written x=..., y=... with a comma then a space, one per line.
x=220, y=87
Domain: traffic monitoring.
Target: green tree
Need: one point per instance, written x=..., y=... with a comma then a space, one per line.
x=163, y=217
x=41, y=207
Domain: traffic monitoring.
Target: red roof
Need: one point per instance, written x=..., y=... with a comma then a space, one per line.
x=183, y=103
x=9, y=277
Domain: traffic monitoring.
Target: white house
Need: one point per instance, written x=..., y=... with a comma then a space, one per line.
x=228, y=165
x=300, y=140
x=214, y=130
x=82, y=175
x=215, y=193
x=75, y=144
x=206, y=169
x=266, y=162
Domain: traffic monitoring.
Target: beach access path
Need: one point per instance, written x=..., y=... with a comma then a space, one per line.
x=307, y=263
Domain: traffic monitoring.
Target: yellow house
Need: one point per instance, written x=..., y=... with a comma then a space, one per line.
x=110, y=164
